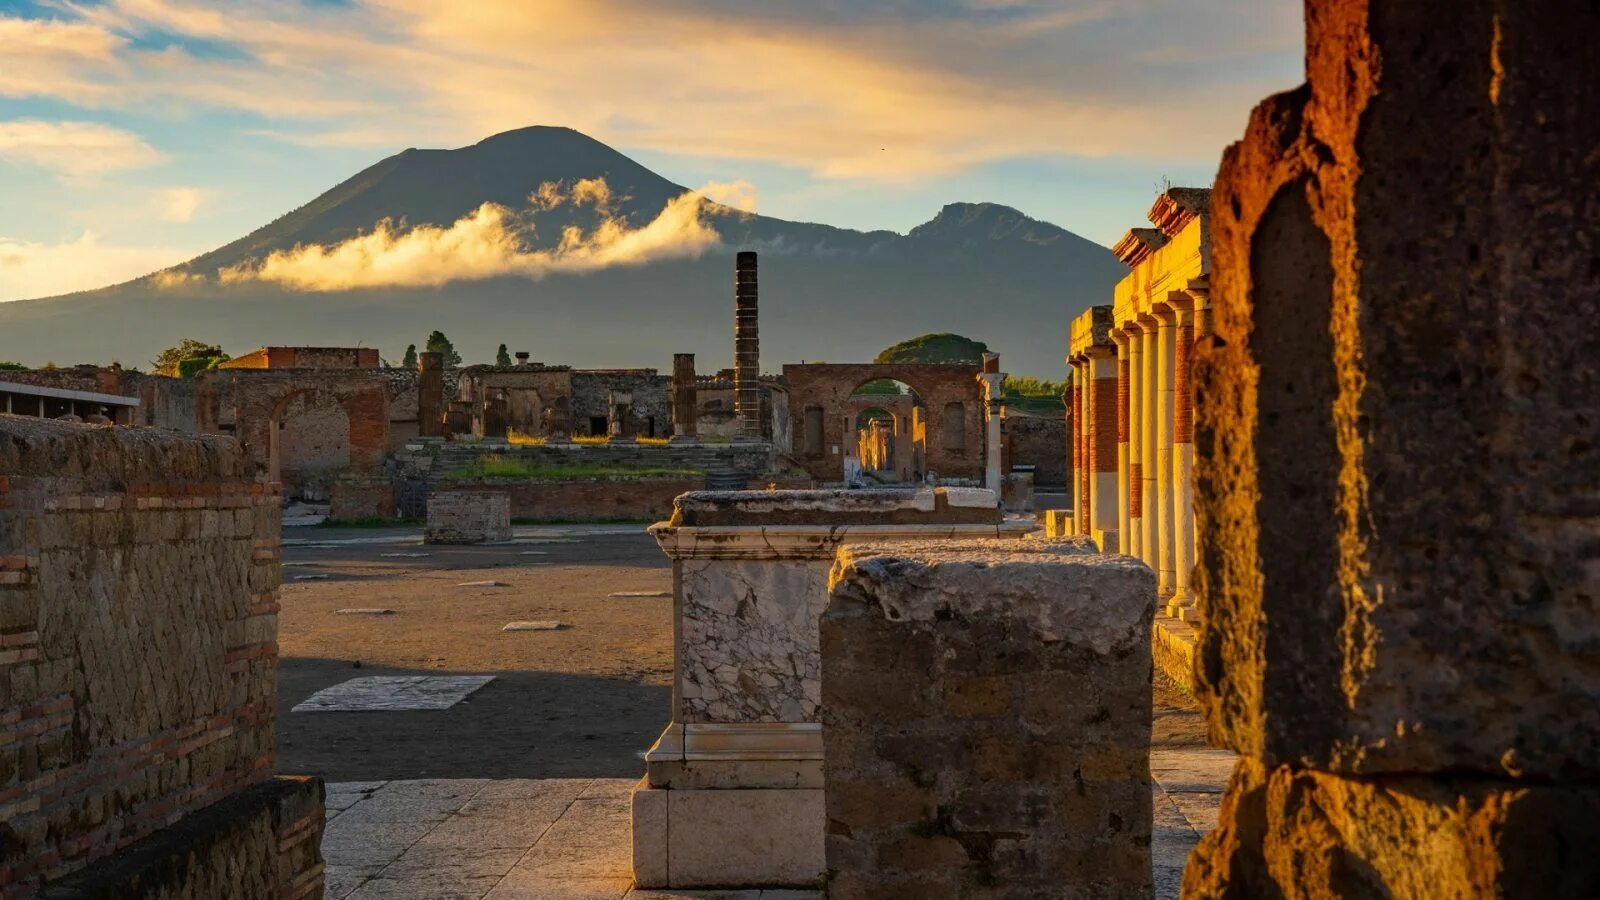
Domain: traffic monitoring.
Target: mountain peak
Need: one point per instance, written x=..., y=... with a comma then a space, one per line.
x=974, y=222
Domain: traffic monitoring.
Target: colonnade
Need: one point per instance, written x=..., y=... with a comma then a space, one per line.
x=1132, y=422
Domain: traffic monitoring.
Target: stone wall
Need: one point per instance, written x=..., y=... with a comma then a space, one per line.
x=1040, y=442
x=362, y=498
x=745, y=459
x=652, y=399
x=1399, y=561
x=986, y=721
x=138, y=635
x=582, y=499
x=468, y=517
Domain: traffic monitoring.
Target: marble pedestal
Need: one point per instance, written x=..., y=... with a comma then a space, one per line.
x=733, y=790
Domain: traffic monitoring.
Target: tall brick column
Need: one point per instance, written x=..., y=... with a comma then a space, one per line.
x=1080, y=463
x=1148, y=401
x=430, y=394
x=684, y=408
x=1121, y=341
x=1182, y=455
x=1103, y=446
x=1397, y=463
x=746, y=347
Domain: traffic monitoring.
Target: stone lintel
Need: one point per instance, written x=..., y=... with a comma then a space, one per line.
x=837, y=507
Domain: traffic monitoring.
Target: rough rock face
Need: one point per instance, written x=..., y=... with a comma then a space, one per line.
x=986, y=721
x=1300, y=833
x=1397, y=434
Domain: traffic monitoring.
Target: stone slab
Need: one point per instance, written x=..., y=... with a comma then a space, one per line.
x=391, y=693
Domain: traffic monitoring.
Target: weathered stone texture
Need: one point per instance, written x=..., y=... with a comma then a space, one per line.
x=1304, y=834
x=1396, y=443
x=1039, y=442
x=138, y=637
x=986, y=721
x=468, y=517
x=586, y=499
x=260, y=844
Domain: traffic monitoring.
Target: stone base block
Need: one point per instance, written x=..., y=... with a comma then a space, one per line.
x=1172, y=645
x=1302, y=833
x=727, y=838
x=1106, y=540
x=262, y=842
x=468, y=517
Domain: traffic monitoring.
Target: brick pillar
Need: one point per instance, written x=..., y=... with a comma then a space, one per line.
x=746, y=347
x=430, y=394
x=1135, y=486
x=1103, y=446
x=1182, y=602
x=1166, y=535
x=684, y=408
x=1396, y=463
x=1121, y=341
x=1147, y=442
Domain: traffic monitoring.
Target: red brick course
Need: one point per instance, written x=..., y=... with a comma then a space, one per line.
x=590, y=499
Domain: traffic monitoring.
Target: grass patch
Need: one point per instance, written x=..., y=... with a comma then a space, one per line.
x=368, y=522
x=502, y=467
x=716, y=439
x=516, y=437
x=592, y=440
x=653, y=441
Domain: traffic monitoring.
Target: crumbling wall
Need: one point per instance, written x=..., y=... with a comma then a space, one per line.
x=1040, y=442
x=986, y=721
x=468, y=517
x=652, y=399
x=138, y=635
x=582, y=499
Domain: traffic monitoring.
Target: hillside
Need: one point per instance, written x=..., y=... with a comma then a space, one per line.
x=826, y=293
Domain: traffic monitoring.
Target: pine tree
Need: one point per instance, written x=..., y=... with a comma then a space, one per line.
x=501, y=357
x=438, y=343
x=410, y=359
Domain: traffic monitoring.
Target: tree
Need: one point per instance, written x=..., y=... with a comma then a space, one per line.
x=438, y=343
x=943, y=347
x=168, y=361
x=8, y=366
x=501, y=357
x=410, y=360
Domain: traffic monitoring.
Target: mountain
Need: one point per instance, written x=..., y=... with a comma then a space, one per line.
x=827, y=293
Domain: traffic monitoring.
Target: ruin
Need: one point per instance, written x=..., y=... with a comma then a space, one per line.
x=468, y=517
x=1398, y=562
x=964, y=683
x=139, y=583
x=733, y=793
x=747, y=346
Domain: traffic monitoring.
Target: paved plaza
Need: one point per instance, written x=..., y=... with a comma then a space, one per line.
x=518, y=788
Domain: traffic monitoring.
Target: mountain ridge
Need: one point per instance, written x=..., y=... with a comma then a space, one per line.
x=967, y=258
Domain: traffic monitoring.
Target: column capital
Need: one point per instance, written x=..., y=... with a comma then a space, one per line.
x=1148, y=323
x=1179, y=301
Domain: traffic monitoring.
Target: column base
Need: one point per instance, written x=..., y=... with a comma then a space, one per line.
x=1182, y=598
x=731, y=806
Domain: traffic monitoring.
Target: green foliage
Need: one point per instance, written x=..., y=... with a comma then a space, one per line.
x=194, y=365
x=8, y=366
x=438, y=343
x=167, y=362
x=880, y=386
x=1028, y=386
x=501, y=357
x=506, y=467
x=409, y=361
x=943, y=347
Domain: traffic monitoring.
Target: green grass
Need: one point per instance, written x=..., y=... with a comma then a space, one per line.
x=502, y=467
x=529, y=520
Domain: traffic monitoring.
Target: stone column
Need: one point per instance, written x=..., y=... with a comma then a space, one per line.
x=1121, y=341
x=1148, y=402
x=1134, y=536
x=430, y=394
x=1075, y=459
x=1182, y=602
x=684, y=409
x=746, y=347
x=992, y=379
x=1165, y=532
x=619, y=415
x=1396, y=463
x=1103, y=448
x=1085, y=512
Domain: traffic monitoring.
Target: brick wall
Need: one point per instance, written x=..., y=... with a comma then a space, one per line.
x=1039, y=442
x=986, y=721
x=138, y=637
x=362, y=498
x=468, y=517
x=580, y=500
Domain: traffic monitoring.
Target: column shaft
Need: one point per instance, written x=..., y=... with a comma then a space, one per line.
x=1165, y=532
x=1149, y=544
x=1135, y=481
x=1103, y=452
x=1122, y=441
x=1075, y=441
x=1183, y=462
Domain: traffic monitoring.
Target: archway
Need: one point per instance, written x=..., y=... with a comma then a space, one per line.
x=309, y=443
x=887, y=429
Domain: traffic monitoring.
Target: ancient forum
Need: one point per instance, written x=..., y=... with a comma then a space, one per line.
x=1285, y=585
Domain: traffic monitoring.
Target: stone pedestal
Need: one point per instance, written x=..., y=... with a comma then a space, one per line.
x=1396, y=464
x=468, y=517
x=732, y=795
x=986, y=708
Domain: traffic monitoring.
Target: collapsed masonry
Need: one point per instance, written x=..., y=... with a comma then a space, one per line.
x=138, y=634
x=1399, y=561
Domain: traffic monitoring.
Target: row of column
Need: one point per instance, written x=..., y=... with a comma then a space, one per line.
x=1155, y=477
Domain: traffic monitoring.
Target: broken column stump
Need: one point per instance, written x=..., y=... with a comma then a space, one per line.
x=986, y=721
x=468, y=517
x=1397, y=458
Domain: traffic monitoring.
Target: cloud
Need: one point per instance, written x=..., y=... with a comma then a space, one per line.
x=740, y=194
x=491, y=241
x=32, y=269
x=181, y=203
x=74, y=148
x=877, y=90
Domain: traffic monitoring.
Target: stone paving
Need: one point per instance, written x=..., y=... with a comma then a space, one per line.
x=567, y=838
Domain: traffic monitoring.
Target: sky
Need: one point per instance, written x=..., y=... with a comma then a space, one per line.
x=135, y=134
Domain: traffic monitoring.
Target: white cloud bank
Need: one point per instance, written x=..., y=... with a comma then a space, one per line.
x=489, y=242
x=32, y=269
x=74, y=148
